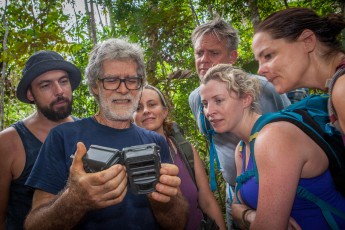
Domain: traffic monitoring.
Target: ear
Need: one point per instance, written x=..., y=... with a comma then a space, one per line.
x=95, y=90
x=29, y=95
x=247, y=100
x=165, y=112
x=309, y=40
x=233, y=56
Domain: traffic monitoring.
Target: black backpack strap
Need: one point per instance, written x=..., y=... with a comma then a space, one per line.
x=310, y=127
x=319, y=137
x=185, y=148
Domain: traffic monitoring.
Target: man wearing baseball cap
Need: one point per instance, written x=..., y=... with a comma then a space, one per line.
x=48, y=82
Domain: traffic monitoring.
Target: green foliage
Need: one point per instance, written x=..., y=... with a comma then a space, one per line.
x=84, y=104
x=13, y=114
x=162, y=28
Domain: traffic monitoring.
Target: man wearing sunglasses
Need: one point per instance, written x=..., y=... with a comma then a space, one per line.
x=68, y=197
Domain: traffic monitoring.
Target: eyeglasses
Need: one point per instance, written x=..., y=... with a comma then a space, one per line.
x=113, y=83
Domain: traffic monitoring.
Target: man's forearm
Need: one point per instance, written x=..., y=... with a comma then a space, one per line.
x=171, y=215
x=60, y=213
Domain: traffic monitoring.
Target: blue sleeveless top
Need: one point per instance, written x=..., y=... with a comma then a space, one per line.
x=20, y=198
x=306, y=213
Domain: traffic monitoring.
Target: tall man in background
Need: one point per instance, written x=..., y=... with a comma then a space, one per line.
x=48, y=81
x=216, y=42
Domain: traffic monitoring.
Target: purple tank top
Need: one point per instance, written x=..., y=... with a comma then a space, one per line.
x=306, y=213
x=190, y=192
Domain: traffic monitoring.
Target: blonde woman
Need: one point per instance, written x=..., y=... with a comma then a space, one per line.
x=285, y=157
x=152, y=114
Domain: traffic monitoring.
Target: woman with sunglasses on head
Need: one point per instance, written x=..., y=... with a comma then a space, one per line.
x=153, y=114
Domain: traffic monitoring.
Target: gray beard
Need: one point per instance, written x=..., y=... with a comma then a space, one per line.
x=110, y=114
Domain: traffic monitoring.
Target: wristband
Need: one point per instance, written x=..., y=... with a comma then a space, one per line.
x=245, y=222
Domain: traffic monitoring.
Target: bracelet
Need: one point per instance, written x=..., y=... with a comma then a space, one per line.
x=245, y=222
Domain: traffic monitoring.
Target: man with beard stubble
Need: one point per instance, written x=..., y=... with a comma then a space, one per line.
x=48, y=82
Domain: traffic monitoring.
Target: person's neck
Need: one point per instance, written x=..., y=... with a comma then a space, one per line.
x=326, y=70
x=40, y=125
x=246, y=129
x=41, y=120
x=160, y=131
x=116, y=124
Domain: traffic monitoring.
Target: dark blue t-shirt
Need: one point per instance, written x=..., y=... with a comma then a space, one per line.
x=51, y=170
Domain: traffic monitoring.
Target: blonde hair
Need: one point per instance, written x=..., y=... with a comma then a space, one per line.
x=220, y=28
x=238, y=81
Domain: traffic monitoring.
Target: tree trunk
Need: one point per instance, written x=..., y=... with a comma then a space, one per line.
x=108, y=4
x=195, y=16
x=3, y=75
x=254, y=16
x=91, y=22
x=76, y=20
x=153, y=48
x=99, y=16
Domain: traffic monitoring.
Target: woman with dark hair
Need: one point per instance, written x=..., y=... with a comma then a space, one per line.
x=297, y=48
x=153, y=114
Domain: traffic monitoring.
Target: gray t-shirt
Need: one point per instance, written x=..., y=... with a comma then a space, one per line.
x=270, y=101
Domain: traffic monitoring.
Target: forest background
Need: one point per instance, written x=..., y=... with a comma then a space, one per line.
x=162, y=28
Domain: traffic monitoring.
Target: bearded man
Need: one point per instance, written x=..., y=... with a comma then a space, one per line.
x=48, y=82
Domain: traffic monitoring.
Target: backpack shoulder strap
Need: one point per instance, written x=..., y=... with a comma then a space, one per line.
x=297, y=119
x=330, y=82
x=313, y=119
x=246, y=175
x=259, y=124
x=327, y=209
x=303, y=121
x=209, y=132
x=185, y=148
x=331, y=110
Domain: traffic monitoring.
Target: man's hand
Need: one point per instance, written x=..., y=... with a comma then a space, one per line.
x=168, y=185
x=96, y=190
x=169, y=206
x=84, y=192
